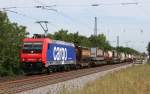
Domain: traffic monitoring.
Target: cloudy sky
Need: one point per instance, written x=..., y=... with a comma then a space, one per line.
x=128, y=19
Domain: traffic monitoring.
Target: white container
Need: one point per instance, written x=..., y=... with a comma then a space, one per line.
x=100, y=53
x=93, y=52
x=110, y=54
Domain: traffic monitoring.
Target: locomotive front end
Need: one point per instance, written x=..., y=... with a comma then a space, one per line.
x=32, y=55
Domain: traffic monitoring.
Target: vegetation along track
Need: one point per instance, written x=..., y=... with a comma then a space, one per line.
x=11, y=87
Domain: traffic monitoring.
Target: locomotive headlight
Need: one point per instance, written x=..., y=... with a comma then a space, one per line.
x=23, y=59
x=40, y=59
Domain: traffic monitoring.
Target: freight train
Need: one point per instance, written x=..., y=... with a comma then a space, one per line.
x=48, y=55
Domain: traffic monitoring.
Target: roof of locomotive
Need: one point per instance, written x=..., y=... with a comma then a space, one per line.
x=36, y=39
x=48, y=40
x=63, y=43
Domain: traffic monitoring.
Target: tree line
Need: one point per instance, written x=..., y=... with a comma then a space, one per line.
x=12, y=34
x=99, y=41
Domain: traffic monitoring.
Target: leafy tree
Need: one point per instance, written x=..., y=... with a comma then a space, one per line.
x=100, y=41
x=61, y=35
x=11, y=36
x=70, y=37
x=127, y=50
x=80, y=40
x=148, y=48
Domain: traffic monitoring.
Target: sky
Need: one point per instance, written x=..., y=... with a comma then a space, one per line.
x=131, y=21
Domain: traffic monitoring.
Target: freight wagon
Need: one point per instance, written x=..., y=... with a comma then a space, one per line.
x=97, y=56
x=82, y=56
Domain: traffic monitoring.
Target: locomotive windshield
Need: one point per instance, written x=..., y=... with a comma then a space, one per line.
x=34, y=47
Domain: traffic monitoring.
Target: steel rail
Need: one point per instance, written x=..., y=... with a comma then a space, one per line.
x=36, y=82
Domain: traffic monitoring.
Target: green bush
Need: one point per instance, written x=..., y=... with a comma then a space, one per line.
x=11, y=35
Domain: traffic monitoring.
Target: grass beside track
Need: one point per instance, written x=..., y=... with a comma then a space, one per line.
x=133, y=80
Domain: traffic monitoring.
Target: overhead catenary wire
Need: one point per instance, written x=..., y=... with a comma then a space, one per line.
x=50, y=7
x=88, y=5
x=47, y=8
x=106, y=4
x=77, y=21
x=44, y=7
x=100, y=4
x=24, y=15
x=55, y=10
x=8, y=9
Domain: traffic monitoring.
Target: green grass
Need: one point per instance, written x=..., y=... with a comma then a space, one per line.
x=133, y=80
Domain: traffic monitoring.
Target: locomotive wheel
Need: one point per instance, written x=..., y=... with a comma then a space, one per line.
x=66, y=67
x=59, y=68
x=49, y=70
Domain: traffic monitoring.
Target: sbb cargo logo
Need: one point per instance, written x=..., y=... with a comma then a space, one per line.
x=60, y=53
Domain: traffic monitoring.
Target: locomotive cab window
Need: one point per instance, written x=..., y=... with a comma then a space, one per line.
x=35, y=47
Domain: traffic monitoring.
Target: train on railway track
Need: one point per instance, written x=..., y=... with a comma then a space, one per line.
x=48, y=55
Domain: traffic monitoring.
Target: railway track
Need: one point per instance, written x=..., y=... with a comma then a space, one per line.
x=11, y=87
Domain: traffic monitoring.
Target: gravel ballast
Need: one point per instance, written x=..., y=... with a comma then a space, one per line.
x=72, y=84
